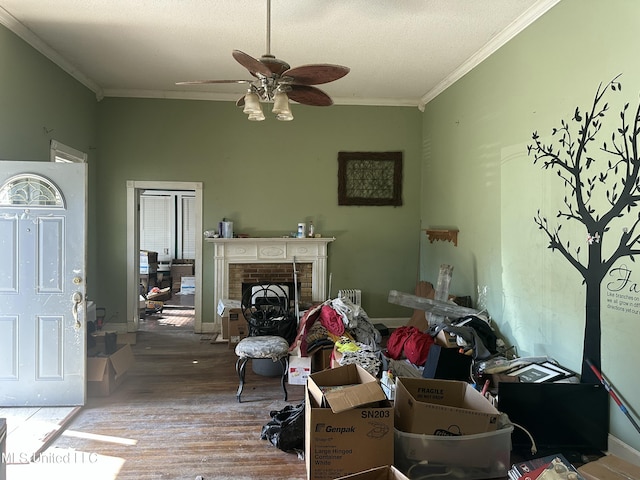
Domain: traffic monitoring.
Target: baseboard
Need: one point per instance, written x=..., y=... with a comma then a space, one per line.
x=209, y=327
x=620, y=449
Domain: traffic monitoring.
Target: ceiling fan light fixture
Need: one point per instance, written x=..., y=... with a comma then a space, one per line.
x=285, y=116
x=280, y=103
x=256, y=117
x=275, y=81
x=252, y=104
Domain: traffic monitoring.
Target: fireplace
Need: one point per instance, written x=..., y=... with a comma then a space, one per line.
x=254, y=260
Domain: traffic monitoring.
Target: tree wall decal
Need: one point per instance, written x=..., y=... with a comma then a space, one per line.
x=597, y=191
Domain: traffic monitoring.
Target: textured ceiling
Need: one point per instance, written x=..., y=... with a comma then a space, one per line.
x=401, y=52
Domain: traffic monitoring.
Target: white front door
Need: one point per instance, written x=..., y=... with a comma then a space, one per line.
x=42, y=283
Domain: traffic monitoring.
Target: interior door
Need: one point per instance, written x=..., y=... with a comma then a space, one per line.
x=42, y=283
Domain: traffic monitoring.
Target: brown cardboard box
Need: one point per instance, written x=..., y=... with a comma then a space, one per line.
x=147, y=257
x=358, y=388
x=437, y=407
x=609, y=467
x=179, y=270
x=355, y=439
x=321, y=358
x=446, y=340
x=106, y=372
x=379, y=473
x=236, y=326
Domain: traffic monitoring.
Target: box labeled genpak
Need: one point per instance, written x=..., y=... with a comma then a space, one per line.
x=346, y=435
x=442, y=407
x=299, y=370
x=344, y=388
x=106, y=372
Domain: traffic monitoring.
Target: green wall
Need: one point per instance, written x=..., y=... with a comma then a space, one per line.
x=40, y=102
x=475, y=138
x=266, y=177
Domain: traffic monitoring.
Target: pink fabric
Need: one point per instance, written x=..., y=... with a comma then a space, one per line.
x=397, y=339
x=331, y=320
x=410, y=343
x=417, y=346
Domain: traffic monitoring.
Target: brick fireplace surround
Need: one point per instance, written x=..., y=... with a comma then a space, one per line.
x=251, y=260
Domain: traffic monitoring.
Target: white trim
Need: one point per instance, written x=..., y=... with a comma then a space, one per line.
x=518, y=25
x=134, y=188
x=620, y=449
x=66, y=153
x=228, y=251
x=45, y=49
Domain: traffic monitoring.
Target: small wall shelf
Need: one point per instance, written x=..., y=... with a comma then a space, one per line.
x=446, y=235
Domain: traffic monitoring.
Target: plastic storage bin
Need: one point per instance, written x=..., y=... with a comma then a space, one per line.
x=479, y=456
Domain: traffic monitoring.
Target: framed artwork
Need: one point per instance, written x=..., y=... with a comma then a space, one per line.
x=370, y=178
x=563, y=371
x=535, y=373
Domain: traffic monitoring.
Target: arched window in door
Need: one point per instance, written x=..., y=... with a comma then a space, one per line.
x=32, y=191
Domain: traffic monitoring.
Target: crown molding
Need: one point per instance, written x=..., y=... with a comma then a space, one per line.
x=513, y=29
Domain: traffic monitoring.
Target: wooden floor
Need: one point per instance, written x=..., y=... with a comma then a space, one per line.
x=175, y=417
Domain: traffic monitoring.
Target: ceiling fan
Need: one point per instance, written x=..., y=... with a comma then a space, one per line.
x=275, y=80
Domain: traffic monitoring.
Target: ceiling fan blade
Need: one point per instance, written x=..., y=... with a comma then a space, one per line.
x=204, y=82
x=316, y=74
x=308, y=95
x=253, y=65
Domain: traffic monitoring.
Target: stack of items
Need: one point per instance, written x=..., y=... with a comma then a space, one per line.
x=446, y=428
x=337, y=333
x=435, y=428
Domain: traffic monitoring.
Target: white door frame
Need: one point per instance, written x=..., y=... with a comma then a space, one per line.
x=134, y=189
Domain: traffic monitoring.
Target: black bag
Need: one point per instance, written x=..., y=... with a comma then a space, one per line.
x=286, y=428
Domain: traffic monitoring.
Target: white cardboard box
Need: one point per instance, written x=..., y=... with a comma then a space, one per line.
x=299, y=370
x=187, y=285
x=226, y=304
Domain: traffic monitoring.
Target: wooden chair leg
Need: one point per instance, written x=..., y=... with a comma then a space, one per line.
x=241, y=364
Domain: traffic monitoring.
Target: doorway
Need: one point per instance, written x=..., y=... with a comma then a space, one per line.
x=134, y=192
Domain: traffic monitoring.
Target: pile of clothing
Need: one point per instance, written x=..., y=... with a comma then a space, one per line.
x=344, y=326
x=408, y=347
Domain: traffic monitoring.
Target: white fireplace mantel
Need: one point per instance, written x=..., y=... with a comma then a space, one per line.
x=270, y=250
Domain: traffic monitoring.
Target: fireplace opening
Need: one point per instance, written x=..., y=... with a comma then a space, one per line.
x=242, y=275
x=258, y=294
